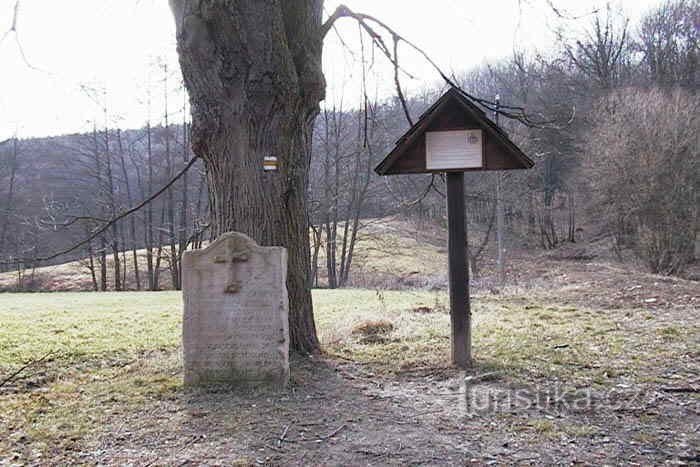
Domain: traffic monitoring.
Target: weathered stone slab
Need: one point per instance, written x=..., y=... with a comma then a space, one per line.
x=235, y=325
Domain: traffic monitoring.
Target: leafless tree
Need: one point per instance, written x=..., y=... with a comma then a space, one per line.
x=601, y=54
x=668, y=40
x=132, y=219
x=644, y=170
x=344, y=155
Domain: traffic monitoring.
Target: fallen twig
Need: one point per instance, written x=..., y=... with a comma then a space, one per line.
x=482, y=377
x=187, y=443
x=682, y=389
x=428, y=412
x=333, y=433
x=283, y=435
x=16, y=373
x=310, y=423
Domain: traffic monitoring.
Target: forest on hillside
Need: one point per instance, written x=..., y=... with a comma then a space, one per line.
x=614, y=131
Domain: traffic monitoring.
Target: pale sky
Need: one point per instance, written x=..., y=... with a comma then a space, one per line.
x=115, y=45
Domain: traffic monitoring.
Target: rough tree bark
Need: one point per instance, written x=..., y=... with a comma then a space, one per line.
x=253, y=73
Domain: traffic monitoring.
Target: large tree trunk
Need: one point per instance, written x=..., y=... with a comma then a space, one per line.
x=253, y=73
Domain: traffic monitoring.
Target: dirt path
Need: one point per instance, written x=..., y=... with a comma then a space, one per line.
x=340, y=413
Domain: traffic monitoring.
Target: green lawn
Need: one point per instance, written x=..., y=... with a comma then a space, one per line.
x=83, y=326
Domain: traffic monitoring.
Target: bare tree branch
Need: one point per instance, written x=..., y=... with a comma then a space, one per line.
x=72, y=220
x=368, y=23
x=14, y=374
x=397, y=82
x=564, y=15
x=111, y=222
x=13, y=25
x=14, y=31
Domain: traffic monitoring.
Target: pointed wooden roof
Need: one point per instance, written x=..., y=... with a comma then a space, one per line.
x=453, y=111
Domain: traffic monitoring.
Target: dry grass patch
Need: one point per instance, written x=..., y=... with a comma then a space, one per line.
x=118, y=353
x=373, y=332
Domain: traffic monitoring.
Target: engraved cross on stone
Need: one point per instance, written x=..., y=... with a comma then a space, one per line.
x=233, y=256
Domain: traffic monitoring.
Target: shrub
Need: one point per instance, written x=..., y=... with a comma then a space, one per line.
x=644, y=157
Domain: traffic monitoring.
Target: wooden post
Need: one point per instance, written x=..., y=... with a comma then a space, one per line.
x=460, y=313
x=454, y=136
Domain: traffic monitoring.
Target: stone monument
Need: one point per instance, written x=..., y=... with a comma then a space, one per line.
x=235, y=324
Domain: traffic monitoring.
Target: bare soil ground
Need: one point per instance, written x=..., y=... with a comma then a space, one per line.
x=340, y=413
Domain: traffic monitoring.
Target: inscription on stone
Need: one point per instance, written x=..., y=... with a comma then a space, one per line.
x=235, y=324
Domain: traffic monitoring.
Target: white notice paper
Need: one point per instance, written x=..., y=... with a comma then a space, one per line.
x=457, y=149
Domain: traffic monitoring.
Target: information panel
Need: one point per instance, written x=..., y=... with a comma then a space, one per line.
x=459, y=149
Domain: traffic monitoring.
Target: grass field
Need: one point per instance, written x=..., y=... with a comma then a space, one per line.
x=80, y=328
x=108, y=356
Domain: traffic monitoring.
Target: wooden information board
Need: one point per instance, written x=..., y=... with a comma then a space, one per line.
x=455, y=136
